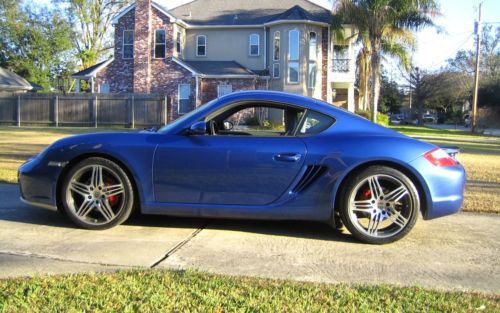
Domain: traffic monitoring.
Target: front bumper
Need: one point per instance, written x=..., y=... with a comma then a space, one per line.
x=38, y=183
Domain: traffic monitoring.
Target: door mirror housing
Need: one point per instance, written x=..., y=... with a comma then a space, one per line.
x=228, y=125
x=198, y=128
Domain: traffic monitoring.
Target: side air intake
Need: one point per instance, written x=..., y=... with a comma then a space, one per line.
x=311, y=173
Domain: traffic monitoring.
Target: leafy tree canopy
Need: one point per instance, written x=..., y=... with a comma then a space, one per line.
x=35, y=42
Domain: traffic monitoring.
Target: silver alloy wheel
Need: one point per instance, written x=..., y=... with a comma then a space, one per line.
x=95, y=194
x=380, y=206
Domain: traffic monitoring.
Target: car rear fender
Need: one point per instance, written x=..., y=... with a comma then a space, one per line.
x=409, y=171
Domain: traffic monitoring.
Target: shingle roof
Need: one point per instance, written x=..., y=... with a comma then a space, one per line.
x=249, y=12
x=11, y=81
x=219, y=68
x=90, y=71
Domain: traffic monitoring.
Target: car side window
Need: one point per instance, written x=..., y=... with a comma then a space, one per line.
x=314, y=123
x=256, y=120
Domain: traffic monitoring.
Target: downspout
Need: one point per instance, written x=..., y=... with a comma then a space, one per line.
x=197, y=78
x=265, y=48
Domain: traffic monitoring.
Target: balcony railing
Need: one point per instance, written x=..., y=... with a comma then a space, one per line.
x=341, y=65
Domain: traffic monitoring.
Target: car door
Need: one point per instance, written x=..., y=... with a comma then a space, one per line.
x=226, y=169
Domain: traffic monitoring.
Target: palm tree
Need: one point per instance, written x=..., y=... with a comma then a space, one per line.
x=384, y=26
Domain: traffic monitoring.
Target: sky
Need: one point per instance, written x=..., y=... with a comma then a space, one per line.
x=434, y=47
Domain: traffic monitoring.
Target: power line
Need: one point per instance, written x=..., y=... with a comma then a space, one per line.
x=453, y=51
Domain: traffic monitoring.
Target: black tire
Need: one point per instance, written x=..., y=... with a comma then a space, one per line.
x=362, y=204
x=97, y=203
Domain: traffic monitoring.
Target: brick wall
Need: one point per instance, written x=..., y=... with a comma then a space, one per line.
x=120, y=73
x=324, y=63
x=142, y=46
x=161, y=76
x=208, y=90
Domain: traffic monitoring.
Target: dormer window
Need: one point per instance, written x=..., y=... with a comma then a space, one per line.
x=160, y=44
x=201, y=45
x=128, y=44
x=254, y=44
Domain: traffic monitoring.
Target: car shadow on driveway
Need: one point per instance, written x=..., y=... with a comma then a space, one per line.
x=299, y=229
x=307, y=230
x=13, y=210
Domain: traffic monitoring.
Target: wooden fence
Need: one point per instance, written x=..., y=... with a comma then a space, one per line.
x=129, y=110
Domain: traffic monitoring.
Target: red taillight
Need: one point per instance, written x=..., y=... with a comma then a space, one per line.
x=439, y=157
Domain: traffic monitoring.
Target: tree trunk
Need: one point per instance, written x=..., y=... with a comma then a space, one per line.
x=375, y=60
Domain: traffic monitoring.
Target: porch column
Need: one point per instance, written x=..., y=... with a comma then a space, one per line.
x=350, y=98
x=77, y=88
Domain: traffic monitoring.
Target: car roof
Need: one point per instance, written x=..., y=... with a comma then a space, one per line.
x=283, y=97
x=346, y=121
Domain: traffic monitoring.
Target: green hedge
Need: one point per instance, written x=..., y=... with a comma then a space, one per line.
x=382, y=119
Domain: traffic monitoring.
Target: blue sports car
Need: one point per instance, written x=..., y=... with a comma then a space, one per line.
x=251, y=155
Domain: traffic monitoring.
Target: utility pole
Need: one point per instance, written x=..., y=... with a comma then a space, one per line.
x=478, y=31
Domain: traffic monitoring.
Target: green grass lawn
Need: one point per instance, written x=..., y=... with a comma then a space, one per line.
x=173, y=291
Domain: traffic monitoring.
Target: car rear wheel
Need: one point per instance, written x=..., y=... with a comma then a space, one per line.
x=97, y=194
x=379, y=205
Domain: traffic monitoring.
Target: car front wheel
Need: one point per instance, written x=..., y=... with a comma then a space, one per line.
x=97, y=194
x=379, y=205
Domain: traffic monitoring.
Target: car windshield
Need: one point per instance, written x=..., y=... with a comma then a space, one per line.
x=186, y=116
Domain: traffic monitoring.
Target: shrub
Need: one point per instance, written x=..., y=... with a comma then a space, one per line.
x=382, y=119
x=365, y=114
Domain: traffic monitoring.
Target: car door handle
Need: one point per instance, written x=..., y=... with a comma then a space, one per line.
x=287, y=157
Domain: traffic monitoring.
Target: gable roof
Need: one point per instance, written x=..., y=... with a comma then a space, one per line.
x=11, y=81
x=92, y=71
x=156, y=4
x=249, y=12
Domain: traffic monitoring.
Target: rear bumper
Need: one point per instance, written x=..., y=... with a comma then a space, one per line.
x=444, y=188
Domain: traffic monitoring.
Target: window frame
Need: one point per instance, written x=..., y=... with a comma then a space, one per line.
x=278, y=105
x=254, y=35
x=198, y=45
x=295, y=61
x=300, y=125
x=128, y=44
x=277, y=45
x=276, y=65
x=160, y=44
x=223, y=85
x=178, y=43
x=179, y=88
x=289, y=81
x=315, y=46
x=311, y=84
x=290, y=45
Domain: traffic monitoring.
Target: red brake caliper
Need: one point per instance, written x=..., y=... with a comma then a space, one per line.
x=367, y=194
x=112, y=199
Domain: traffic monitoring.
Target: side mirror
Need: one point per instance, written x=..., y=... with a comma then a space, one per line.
x=228, y=125
x=198, y=128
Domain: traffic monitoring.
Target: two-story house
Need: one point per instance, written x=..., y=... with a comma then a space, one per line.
x=203, y=49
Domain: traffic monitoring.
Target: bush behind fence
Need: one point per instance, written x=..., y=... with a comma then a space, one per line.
x=128, y=110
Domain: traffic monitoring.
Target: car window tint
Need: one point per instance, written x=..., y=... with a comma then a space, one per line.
x=257, y=120
x=315, y=123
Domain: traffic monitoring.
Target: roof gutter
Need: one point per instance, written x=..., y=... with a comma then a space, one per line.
x=11, y=87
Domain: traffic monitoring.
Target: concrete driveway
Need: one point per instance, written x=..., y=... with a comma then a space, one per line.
x=455, y=252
